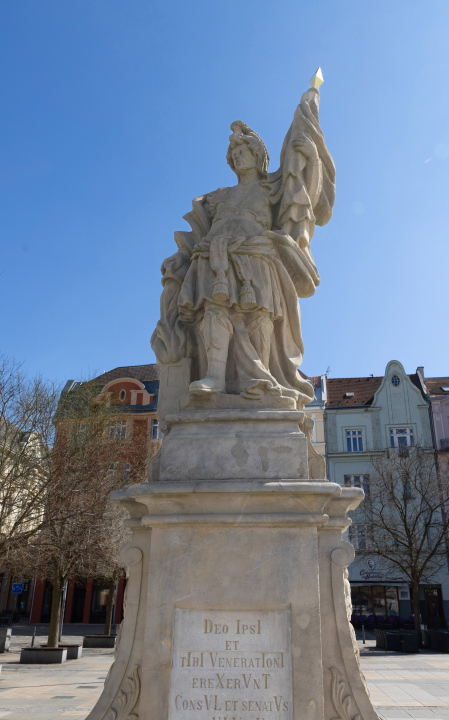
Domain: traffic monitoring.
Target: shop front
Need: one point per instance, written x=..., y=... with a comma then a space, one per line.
x=378, y=598
x=380, y=603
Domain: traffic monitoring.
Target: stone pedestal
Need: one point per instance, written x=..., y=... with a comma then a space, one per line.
x=214, y=445
x=236, y=605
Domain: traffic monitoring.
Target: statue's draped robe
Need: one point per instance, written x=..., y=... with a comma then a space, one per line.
x=262, y=233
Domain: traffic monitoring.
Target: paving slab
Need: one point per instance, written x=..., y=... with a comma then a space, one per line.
x=402, y=686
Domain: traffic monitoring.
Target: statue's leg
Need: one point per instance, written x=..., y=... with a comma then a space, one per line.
x=220, y=265
x=260, y=330
x=216, y=330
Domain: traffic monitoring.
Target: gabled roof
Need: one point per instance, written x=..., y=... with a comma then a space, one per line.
x=435, y=386
x=144, y=373
x=364, y=389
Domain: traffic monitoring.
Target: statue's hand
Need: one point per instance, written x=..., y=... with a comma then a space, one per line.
x=305, y=145
x=201, y=247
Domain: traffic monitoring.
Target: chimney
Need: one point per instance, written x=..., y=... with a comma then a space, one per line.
x=420, y=373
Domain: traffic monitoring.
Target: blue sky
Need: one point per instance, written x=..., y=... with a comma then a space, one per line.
x=116, y=115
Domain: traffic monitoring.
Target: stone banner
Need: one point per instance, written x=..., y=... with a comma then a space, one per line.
x=231, y=665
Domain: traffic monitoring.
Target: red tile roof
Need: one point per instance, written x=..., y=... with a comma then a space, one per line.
x=144, y=373
x=363, y=388
x=315, y=380
x=434, y=385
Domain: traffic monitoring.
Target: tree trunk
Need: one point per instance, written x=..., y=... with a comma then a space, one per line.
x=110, y=607
x=55, y=617
x=416, y=606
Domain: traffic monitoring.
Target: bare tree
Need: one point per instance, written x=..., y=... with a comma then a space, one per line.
x=80, y=534
x=27, y=408
x=109, y=566
x=61, y=454
x=405, y=516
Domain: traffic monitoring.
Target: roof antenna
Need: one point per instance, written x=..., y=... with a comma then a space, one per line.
x=328, y=370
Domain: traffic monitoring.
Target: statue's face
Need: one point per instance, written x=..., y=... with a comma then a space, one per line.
x=243, y=158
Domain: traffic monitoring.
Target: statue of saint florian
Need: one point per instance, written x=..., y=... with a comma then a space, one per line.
x=230, y=297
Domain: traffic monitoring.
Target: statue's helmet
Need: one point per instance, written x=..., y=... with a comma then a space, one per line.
x=242, y=133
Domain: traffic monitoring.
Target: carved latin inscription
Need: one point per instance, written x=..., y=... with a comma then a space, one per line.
x=231, y=665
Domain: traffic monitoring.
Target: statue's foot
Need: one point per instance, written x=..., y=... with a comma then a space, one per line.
x=207, y=385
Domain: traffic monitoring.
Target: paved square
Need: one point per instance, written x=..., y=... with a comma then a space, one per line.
x=401, y=685
x=404, y=685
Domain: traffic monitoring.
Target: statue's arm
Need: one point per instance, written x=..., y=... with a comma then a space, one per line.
x=308, y=174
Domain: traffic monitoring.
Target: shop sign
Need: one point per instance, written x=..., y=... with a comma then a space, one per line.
x=17, y=588
x=369, y=573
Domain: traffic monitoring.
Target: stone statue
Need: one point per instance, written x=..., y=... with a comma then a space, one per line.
x=230, y=297
x=237, y=527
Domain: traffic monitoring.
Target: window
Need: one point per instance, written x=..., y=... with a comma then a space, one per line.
x=80, y=436
x=122, y=395
x=401, y=437
x=354, y=441
x=408, y=490
x=366, y=601
x=361, y=481
x=378, y=600
x=117, y=431
x=113, y=468
x=431, y=537
x=395, y=380
x=155, y=432
x=358, y=536
x=127, y=469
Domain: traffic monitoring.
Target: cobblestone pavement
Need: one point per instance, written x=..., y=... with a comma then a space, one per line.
x=401, y=685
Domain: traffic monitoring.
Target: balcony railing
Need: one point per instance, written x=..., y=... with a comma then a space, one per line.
x=444, y=444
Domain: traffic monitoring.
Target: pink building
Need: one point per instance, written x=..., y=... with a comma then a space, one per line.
x=437, y=391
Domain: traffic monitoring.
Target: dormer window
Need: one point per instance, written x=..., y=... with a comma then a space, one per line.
x=122, y=395
x=349, y=394
x=445, y=388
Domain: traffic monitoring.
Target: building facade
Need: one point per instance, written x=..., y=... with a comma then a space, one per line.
x=315, y=410
x=437, y=392
x=366, y=415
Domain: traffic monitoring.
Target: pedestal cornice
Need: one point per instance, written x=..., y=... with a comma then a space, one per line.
x=245, y=503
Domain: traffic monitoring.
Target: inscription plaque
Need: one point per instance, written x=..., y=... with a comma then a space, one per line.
x=231, y=665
